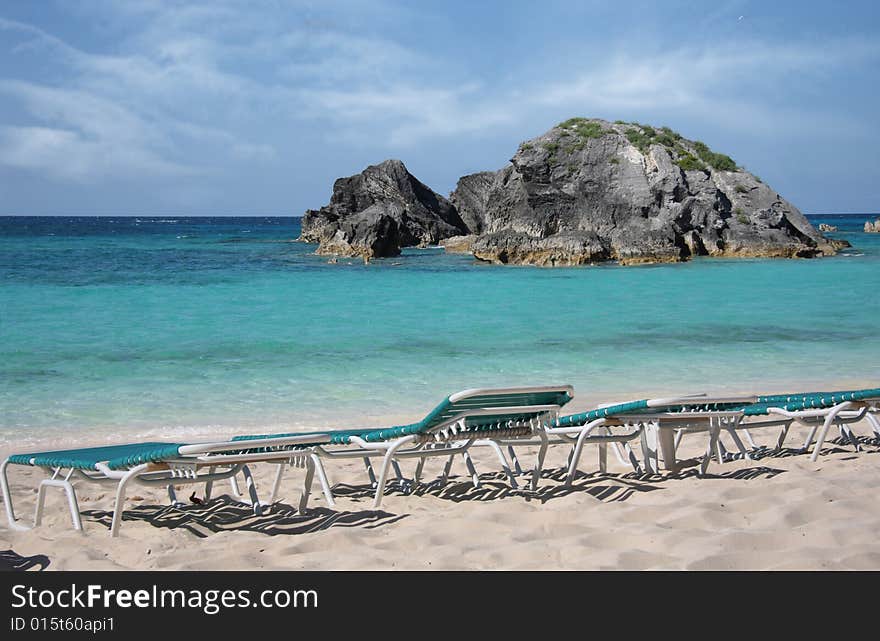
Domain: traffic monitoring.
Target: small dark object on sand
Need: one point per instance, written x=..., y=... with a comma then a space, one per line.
x=194, y=499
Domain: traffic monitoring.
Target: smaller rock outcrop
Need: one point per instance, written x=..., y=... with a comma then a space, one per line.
x=459, y=244
x=825, y=227
x=872, y=228
x=378, y=211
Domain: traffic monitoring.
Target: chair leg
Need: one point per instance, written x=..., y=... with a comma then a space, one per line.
x=7, y=500
x=386, y=464
x=809, y=440
x=72, y=504
x=720, y=450
x=820, y=439
x=714, y=434
x=667, y=449
x=370, y=473
x=783, y=433
x=648, y=437
x=209, y=485
x=475, y=478
x=397, y=473
x=574, y=458
x=619, y=452
x=417, y=476
x=539, y=460
x=276, y=484
x=738, y=442
x=504, y=464
x=252, y=490
x=603, y=451
x=172, y=496
x=513, y=459
x=233, y=483
x=679, y=434
x=847, y=434
x=307, y=485
x=447, y=468
x=325, y=484
x=633, y=459
x=874, y=423
x=119, y=506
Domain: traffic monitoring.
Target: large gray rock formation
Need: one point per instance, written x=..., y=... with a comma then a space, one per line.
x=589, y=190
x=586, y=191
x=378, y=211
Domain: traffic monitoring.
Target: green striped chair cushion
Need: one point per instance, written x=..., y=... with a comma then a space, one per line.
x=583, y=418
x=116, y=456
x=788, y=402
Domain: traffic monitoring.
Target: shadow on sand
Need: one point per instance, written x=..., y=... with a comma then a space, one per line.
x=12, y=562
x=224, y=513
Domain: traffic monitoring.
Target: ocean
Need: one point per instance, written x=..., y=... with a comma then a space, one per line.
x=171, y=325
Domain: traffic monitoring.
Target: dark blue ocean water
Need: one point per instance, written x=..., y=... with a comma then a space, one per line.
x=167, y=325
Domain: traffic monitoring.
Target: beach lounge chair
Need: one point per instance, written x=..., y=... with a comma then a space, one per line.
x=169, y=464
x=594, y=427
x=449, y=429
x=660, y=424
x=816, y=410
x=474, y=417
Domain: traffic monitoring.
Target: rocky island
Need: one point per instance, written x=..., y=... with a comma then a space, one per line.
x=586, y=191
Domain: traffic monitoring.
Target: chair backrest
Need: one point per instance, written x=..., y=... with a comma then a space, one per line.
x=478, y=407
x=472, y=400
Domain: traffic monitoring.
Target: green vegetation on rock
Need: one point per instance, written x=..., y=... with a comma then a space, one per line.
x=690, y=156
x=585, y=129
x=689, y=162
x=713, y=159
x=643, y=136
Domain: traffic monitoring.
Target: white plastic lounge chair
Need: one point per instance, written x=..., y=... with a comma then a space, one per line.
x=462, y=420
x=168, y=464
x=816, y=410
x=597, y=426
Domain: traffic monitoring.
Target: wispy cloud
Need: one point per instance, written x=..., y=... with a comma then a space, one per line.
x=180, y=88
x=728, y=85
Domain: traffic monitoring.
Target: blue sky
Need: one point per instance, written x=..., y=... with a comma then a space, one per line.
x=232, y=107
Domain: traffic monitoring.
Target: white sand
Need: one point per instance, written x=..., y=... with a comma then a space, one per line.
x=780, y=511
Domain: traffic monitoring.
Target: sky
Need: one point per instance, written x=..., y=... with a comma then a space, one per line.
x=233, y=107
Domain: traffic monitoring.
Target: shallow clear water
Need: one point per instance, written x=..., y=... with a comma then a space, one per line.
x=163, y=325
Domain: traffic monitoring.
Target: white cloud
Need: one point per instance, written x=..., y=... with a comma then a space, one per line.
x=182, y=89
x=728, y=85
x=67, y=155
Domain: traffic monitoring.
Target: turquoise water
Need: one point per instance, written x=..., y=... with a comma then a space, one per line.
x=172, y=325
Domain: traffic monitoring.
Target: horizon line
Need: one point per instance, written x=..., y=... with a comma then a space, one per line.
x=852, y=213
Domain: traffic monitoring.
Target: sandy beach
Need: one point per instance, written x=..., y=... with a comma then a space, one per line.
x=779, y=511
